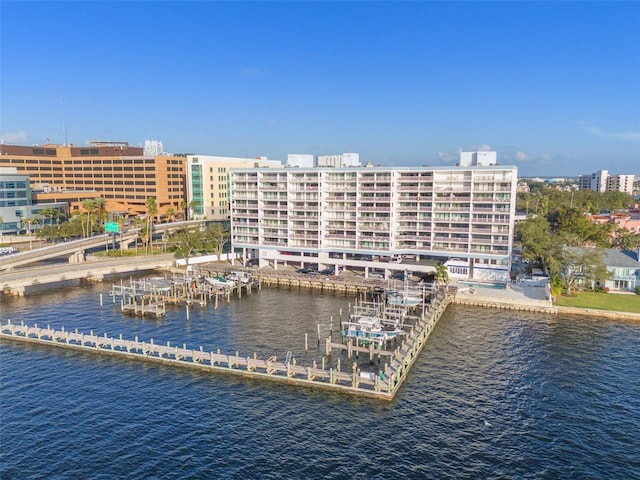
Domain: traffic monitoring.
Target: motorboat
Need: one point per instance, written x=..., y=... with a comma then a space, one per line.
x=220, y=282
x=372, y=329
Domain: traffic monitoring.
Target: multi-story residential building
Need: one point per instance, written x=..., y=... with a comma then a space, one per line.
x=208, y=185
x=18, y=210
x=332, y=215
x=119, y=173
x=307, y=160
x=601, y=181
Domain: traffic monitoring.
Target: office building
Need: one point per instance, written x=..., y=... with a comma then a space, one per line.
x=120, y=174
x=18, y=210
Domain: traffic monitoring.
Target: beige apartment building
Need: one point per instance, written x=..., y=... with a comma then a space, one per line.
x=208, y=186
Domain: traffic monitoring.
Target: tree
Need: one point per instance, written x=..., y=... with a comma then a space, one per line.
x=581, y=266
x=626, y=240
x=49, y=232
x=534, y=234
x=441, y=274
x=91, y=205
x=49, y=213
x=152, y=210
x=184, y=205
x=186, y=241
x=215, y=237
x=171, y=214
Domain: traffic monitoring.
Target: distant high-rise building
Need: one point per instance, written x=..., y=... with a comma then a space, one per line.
x=478, y=159
x=601, y=181
x=153, y=148
x=339, y=161
x=302, y=160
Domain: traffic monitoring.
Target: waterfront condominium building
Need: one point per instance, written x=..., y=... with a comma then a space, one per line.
x=208, y=185
x=602, y=181
x=462, y=216
x=121, y=174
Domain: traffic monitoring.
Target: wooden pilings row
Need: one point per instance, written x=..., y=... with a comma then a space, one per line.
x=289, y=372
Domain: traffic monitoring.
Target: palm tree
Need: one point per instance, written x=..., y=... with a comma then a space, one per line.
x=152, y=210
x=49, y=213
x=441, y=274
x=183, y=207
x=171, y=214
x=89, y=204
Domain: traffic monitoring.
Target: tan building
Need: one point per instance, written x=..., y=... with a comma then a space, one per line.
x=117, y=172
x=209, y=182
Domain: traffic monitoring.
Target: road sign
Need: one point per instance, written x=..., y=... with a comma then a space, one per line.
x=112, y=227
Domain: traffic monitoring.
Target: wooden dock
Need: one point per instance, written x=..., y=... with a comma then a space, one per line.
x=381, y=385
x=151, y=295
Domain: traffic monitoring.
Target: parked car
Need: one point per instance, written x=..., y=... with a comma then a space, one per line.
x=376, y=274
x=254, y=262
x=308, y=271
x=327, y=271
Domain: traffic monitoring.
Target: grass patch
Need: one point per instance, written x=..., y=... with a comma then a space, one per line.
x=601, y=301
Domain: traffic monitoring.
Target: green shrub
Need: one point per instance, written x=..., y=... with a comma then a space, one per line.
x=637, y=290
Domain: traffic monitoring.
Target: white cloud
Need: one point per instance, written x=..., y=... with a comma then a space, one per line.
x=520, y=156
x=596, y=131
x=481, y=148
x=624, y=136
x=448, y=157
x=17, y=138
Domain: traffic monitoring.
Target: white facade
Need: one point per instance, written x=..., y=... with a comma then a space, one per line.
x=208, y=182
x=153, y=148
x=339, y=161
x=333, y=214
x=301, y=160
x=601, y=181
x=478, y=159
x=621, y=183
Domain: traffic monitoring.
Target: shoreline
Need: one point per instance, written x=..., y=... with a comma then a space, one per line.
x=531, y=299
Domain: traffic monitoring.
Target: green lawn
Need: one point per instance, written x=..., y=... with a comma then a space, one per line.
x=602, y=301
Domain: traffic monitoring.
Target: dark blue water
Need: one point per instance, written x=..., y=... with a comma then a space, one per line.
x=493, y=395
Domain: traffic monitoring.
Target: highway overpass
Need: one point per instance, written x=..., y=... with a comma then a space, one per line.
x=75, y=249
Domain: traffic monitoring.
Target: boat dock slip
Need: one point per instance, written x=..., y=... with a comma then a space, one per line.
x=382, y=385
x=149, y=296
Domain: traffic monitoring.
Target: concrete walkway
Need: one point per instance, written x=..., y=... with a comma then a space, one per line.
x=514, y=296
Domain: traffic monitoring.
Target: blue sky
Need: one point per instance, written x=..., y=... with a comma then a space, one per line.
x=553, y=87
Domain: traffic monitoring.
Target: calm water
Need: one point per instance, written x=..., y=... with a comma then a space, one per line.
x=493, y=395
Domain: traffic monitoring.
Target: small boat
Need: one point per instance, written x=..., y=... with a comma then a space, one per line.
x=370, y=329
x=404, y=298
x=220, y=282
x=240, y=277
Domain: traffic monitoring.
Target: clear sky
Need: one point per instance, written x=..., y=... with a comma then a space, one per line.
x=553, y=87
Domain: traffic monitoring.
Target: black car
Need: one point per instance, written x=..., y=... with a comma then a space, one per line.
x=308, y=271
x=327, y=271
x=254, y=262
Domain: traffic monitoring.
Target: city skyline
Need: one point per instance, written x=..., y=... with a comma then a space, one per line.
x=550, y=86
